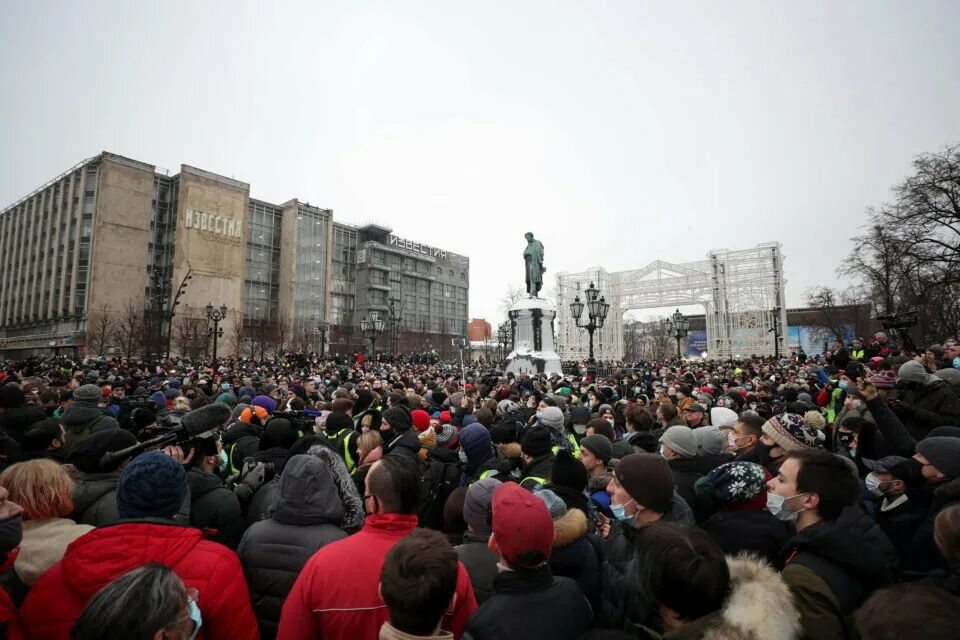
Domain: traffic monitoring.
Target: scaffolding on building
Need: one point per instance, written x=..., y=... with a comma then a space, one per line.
x=741, y=292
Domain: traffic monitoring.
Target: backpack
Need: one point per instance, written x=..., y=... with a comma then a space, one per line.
x=77, y=434
x=245, y=447
x=439, y=479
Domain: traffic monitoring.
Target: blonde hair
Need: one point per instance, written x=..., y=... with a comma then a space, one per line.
x=42, y=487
x=181, y=403
x=367, y=442
x=946, y=534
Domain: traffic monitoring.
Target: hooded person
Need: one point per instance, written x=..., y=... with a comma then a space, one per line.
x=151, y=490
x=733, y=499
x=278, y=436
x=339, y=430
x=15, y=415
x=536, y=455
x=399, y=437
x=95, y=493
x=710, y=441
x=308, y=514
x=479, y=560
x=477, y=448
x=85, y=417
x=923, y=400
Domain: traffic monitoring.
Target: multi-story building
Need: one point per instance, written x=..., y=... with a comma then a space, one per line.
x=479, y=330
x=117, y=256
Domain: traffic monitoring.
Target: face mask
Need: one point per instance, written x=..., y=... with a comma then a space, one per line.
x=663, y=452
x=776, y=508
x=610, y=420
x=539, y=415
x=224, y=461
x=857, y=404
x=873, y=485
x=11, y=533
x=196, y=617
x=619, y=512
x=753, y=406
x=842, y=384
x=845, y=439
x=463, y=456
x=956, y=362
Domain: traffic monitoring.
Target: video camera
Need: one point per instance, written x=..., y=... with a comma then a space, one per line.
x=177, y=434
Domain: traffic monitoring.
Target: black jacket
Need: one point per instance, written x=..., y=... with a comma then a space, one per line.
x=532, y=605
x=685, y=472
x=755, y=531
x=921, y=553
x=16, y=421
x=95, y=499
x=577, y=555
x=636, y=442
x=307, y=517
x=926, y=407
x=540, y=468
x=407, y=445
x=213, y=506
x=480, y=562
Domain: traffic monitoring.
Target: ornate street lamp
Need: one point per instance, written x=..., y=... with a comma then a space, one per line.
x=597, y=309
x=216, y=317
x=678, y=327
x=371, y=330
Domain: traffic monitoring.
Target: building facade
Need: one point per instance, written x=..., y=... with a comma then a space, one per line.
x=117, y=257
x=479, y=330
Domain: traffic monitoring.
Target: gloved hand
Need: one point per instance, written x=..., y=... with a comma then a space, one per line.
x=253, y=475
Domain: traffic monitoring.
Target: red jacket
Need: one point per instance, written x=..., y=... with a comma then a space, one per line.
x=95, y=559
x=337, y=593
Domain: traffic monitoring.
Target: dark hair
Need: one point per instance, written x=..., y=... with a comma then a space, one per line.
x=136, y=605
x=601, y=427
x=686, y=570
x=418, y=580
x=668, y=411
x=828, y=476
x=395, y=481
x=639, y=417
x=752, y=423
x=343, y=405
x=40, y=435
x=49, y=395
x=484, y=416
x=909, y=611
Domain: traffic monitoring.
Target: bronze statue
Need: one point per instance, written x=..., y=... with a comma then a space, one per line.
x=533, y=257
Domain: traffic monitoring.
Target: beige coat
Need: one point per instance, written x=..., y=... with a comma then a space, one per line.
x=44, y=543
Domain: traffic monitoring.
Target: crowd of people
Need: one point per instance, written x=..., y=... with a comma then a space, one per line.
x=803, y=497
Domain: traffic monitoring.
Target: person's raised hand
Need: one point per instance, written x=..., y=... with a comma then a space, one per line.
x=867, y=390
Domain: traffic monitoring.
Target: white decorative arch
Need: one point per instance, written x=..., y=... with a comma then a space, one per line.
x=740, y=291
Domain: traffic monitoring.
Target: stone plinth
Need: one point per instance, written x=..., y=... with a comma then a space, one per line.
x=533, y=352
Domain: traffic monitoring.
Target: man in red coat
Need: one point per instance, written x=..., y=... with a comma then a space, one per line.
x=337, y=593
x=150, y=491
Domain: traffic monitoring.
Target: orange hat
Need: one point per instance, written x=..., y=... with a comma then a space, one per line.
x=248, y=414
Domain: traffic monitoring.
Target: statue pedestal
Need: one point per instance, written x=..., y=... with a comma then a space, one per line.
x=533, y=348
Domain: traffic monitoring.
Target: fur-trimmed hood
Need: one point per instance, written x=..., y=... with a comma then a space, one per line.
x=569, y=528
x=510, y=450
x=599, y=482
x=759, y=607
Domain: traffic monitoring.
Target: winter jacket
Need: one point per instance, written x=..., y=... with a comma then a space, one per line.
x=481, y=563
x=577, y=555
x=636, y=442
x=58, y=598
x=901, y=522
x=597, y=492
x=537, y=471
x=16, y=421
x=336, y=594
x=755, y=531
x=389, y=632
x=307, y=517
x=44, y=543
x=893, y=439
x=929, y=406
x=213, y=506
x=759, y=607
x=407, y=445
x=95, y=499
x=262, y=501
x=832, y=567
x=921, y=553
x=82, y=419
x=9, y=618
x=685, y=474
x=532, y=605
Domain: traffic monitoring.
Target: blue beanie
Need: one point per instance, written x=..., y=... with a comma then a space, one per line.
x=153, y=485
x=158, y=399
x=475, y=442
x=266, y=402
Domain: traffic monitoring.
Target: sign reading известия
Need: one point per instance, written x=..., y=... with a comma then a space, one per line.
x=213, y=223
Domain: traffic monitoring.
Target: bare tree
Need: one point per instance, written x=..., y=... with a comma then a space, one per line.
x=510, y=297
x=235, y=338
x=280, y=335
x=191, y=336
x=100, y=330
x=128, y=328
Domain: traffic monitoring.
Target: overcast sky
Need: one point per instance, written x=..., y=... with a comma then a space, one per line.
x=619, y=132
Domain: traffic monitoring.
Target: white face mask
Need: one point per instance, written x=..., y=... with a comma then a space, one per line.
x=663, y=452
x=776, y=507
x=873, y=485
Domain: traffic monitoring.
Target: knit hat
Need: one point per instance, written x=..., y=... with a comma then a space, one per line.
x=598, y=445
x=87, y=393
x=681, y=440
x=11, y=396
x=153, y=485
x=268, y=403
x=950, y=376
x=447, y=436
x=445, y=417
x=248, y=415
x=86, y=455
x=555, y=505
x=723, y=417
x=169, y=394
x=398, y=418
x=206, y=418
x=943, y=452
x=790, y=433
x=156, y=398
x=521, y=525
x=568, y=472
x=506, y=406
x=421, y=420
x=734, y=483
x=552, y=417
x=475, y=442
x=647, y=479
x=476, y=505
x=536, y=441
x=709, y=440
x=912, y=371
x=228, y=399
x=881, y=381
x=141, y=418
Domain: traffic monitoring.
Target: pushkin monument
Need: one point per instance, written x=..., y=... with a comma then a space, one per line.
x=531, y=321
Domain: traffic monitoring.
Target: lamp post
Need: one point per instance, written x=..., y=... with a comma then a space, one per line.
x=597, y=309
x=394, y=317
x=775, y=329
x=371, y=330
x=322, y=327
x=216, y=316
x=677, y=326
x=503, y=339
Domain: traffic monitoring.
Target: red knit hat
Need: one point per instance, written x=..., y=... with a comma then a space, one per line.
x=521, y=525
x=421, y=420
x=445, y=417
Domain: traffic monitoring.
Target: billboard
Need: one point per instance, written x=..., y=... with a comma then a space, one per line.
x=696, y=343
x=813, y=339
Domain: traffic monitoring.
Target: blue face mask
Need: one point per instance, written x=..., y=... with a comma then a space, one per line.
x=196, y=617
x=956, y=362
x=224, y=461
x=539, y=414
x=842, y=384
x=620, y=513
